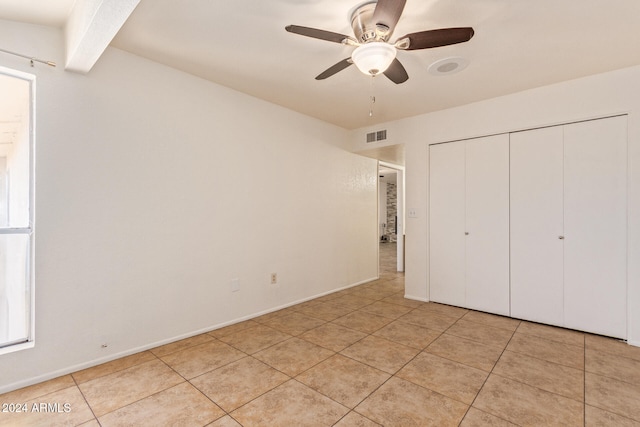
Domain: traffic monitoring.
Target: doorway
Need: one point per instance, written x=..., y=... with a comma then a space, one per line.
x=390, y=219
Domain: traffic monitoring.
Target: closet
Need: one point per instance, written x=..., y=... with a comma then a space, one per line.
x=533, y=224
x=469, y=214
x=569, y=226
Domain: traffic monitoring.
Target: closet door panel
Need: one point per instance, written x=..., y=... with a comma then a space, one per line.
x=446, y=223
x=487, y=224
x=596, y=226
x=536, y=205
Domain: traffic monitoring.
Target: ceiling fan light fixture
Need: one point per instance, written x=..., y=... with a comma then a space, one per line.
x=373, y=58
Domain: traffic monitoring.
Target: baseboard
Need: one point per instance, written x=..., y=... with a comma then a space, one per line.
x=416, y=298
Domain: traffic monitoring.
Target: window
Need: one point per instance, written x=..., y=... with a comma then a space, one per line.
x=16, y=210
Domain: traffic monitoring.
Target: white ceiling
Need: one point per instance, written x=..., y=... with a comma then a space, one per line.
x=51, y=13
x=242, y=44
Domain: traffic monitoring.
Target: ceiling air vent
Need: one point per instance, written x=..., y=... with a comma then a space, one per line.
x=380, y=135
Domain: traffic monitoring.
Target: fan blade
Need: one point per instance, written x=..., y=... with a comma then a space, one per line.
x=335, y=69
x=396, y=72
x=436, y=38
x=317, y=34
x=387, y=13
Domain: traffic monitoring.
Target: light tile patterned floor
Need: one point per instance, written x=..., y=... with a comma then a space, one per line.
x=360, y=357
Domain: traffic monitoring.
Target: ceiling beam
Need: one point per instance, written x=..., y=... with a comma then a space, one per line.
x=90, y=28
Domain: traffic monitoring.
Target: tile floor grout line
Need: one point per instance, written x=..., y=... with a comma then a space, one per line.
x=246, y=403
x=486, y=324
x=143, y=398
x=204, y=373
x=536, y=387
x=289, y=378
x=212, y=401
x=548, y=339
x=543, y=360
x=391, y=375
x=211, y=370
x=116, y=371
x=610, y=378
x=130, y=403
x=613, y=354
x=85, y=401
x=444, y=333
x=437, y=392
x=264, y=348
x=182, y=349
x=275, y=369
x=487, y=379
x=634, y=420
x=215, y=369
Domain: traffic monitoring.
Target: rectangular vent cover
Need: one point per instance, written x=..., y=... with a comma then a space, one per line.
x=380, y=135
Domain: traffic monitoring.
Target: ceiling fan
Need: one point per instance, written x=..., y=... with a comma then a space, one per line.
x=373, y=23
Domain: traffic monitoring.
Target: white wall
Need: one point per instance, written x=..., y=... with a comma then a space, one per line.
x=382, y=208
x=595, y=96
x=155, y=189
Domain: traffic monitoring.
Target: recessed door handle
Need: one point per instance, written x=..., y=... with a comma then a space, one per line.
x=561, y=237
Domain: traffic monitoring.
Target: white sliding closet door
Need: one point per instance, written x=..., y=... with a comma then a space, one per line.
x=536, y=225
x=487, y=224
x=446, y=217
x=596, y=226
x=469, y=224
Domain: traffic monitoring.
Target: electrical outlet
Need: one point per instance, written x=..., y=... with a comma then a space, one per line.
x=274, y=278
x=413, y=213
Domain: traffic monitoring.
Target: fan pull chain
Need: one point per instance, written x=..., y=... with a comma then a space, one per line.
x=372, y=97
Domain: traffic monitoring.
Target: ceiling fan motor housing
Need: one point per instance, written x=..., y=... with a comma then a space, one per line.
x=363, y=26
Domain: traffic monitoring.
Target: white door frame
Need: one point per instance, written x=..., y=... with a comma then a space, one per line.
x=400, y=188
